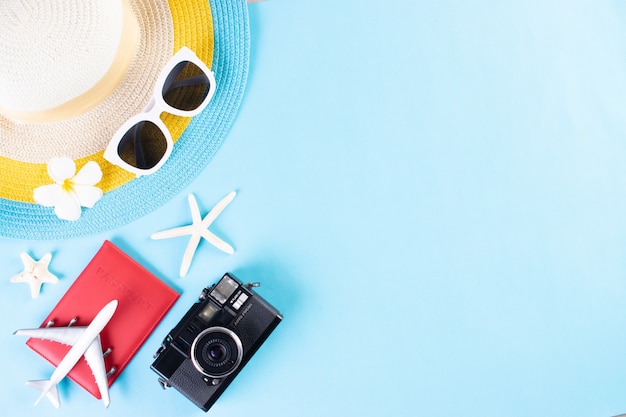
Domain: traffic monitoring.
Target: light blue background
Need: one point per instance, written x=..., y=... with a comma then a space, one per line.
x=432, y=192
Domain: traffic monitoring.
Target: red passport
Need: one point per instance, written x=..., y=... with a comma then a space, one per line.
x=143, y=301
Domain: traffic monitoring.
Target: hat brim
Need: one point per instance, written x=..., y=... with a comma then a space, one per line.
x=192, y=151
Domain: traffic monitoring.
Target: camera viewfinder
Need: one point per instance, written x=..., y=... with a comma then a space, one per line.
x=224, y=289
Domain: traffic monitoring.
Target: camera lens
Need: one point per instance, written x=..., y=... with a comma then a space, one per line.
x=216, y=352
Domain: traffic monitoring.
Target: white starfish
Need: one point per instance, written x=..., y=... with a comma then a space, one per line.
x=35, y=273
x=198, y=229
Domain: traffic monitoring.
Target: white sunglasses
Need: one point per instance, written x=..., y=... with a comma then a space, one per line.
x=184, y=88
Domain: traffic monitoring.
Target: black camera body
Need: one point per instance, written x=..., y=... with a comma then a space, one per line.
x=219, y=334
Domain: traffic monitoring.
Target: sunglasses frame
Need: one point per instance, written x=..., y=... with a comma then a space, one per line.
x=154, y=109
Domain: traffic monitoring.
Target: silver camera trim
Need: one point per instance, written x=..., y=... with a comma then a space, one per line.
x=217, y=329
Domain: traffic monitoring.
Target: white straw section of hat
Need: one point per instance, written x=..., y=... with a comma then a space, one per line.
x=61, y=59
x=88, y=132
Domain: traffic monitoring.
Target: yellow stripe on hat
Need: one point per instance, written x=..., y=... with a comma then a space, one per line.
x=193, y=27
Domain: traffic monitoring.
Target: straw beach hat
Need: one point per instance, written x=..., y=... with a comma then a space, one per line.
x=73, y=71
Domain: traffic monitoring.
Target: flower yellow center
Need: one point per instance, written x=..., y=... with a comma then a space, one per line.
x=67, y=185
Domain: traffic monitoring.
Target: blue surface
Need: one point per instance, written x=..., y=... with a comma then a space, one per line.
x=432, y=192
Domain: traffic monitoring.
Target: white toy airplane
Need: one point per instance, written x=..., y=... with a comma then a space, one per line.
x=84, y=341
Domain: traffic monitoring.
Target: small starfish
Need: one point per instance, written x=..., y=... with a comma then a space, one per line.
x=198, y=229
x=35, y=273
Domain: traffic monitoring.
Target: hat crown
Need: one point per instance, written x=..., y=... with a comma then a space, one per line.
x=54, y=51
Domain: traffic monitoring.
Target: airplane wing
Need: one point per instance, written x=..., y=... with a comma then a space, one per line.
x=95, y=360
x=66, y=335
x=93, y=355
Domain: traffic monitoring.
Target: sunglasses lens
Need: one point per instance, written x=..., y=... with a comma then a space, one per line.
x=186, y=87
x=143, y=146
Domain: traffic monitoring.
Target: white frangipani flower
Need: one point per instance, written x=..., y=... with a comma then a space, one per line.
x=71, y=190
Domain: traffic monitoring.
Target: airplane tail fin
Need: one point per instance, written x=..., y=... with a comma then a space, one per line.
x=48, y=388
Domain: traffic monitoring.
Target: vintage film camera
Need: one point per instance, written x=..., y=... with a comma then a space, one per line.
x=202, y=355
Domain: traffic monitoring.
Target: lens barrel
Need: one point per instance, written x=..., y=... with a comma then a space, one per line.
x=216, y=352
